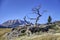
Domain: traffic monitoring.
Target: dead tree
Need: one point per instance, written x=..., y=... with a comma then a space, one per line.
x=26, y=22
x=39, y=15
x=37, y=11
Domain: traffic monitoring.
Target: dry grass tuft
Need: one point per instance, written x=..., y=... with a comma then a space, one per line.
x=3, y=31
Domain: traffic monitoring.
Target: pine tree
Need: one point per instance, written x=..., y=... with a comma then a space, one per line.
x=49, y=19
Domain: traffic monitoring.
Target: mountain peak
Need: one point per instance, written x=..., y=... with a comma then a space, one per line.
x=14, y=23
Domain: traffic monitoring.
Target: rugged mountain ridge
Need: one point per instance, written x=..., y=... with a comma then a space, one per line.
x=13, y=23
x=17, y=22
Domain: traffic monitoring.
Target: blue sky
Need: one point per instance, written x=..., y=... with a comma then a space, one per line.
x=17, y=9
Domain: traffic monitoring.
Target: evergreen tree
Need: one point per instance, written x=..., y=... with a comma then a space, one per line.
x=49, y=19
